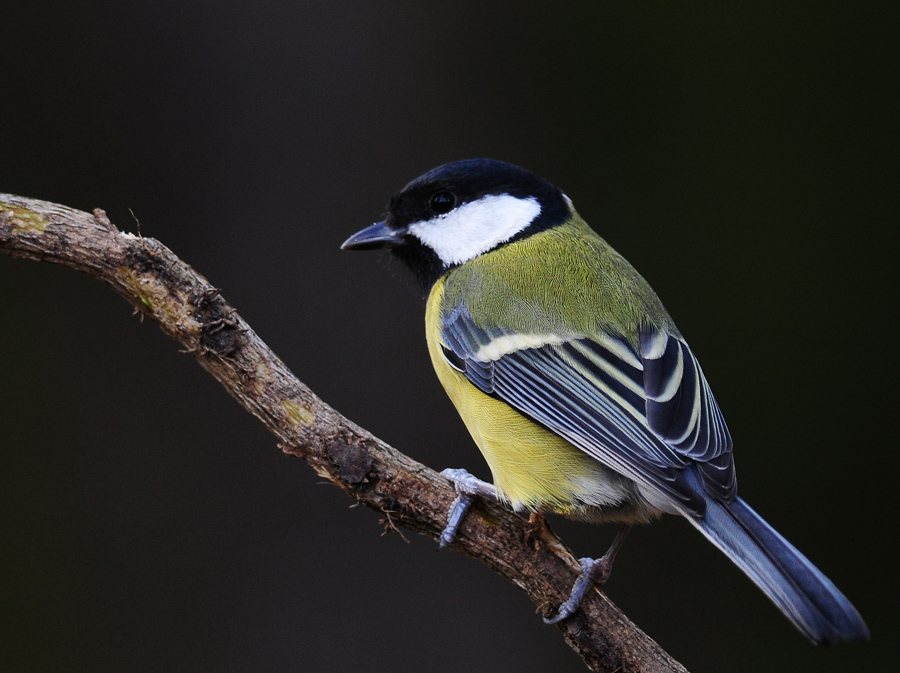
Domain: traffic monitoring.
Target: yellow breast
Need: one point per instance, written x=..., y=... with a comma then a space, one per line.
x=532, y=468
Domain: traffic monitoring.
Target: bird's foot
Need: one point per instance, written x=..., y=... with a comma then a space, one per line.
x=594, y=572
x=468, y=488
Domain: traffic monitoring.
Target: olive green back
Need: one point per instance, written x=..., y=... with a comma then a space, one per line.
x=566, y=281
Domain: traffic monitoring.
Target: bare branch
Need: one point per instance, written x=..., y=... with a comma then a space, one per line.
x=190, y=310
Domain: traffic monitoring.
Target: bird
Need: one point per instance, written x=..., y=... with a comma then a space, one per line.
x=580, y=392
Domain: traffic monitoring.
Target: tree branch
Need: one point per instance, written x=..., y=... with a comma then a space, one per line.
x=190, y=310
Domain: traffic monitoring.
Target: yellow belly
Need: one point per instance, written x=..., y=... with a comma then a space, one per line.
x=532, y=468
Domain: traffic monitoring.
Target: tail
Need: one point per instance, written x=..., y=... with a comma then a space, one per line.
x=805, y=596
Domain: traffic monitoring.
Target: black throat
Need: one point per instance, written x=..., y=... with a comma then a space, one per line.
x=421, y=260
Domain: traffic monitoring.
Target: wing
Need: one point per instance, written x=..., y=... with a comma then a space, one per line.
x=682, y=411
x=646, y=413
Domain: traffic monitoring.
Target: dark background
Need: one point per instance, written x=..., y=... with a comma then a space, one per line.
x=743, y=158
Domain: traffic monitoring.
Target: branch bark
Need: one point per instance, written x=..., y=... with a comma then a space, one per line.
x=193, y=312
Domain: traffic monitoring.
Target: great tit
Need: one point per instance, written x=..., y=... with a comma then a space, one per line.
x=575, y=383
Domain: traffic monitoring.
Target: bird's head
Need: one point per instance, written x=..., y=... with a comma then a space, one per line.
x=458, y=211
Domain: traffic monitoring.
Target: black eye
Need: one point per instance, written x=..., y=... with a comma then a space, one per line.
x=442, y=202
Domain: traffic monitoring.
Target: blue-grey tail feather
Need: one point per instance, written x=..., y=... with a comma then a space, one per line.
x=796, y=586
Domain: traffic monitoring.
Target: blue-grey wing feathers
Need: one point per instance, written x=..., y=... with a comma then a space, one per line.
x=542, y=383
x=682, y=411
x=645, y=413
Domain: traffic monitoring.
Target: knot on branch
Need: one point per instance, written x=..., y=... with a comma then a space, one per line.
x=220, y=333
x=353, y=461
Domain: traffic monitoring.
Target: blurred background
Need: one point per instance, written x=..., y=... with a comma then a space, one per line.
x=743, y=158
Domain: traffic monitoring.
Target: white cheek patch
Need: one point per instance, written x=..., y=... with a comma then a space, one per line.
x=476, y=227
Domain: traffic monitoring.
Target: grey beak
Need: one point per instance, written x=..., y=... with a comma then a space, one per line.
x=379, y=235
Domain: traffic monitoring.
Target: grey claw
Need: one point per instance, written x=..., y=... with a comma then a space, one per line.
x=582, y=585
x=467, y=488
x=457, y=512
